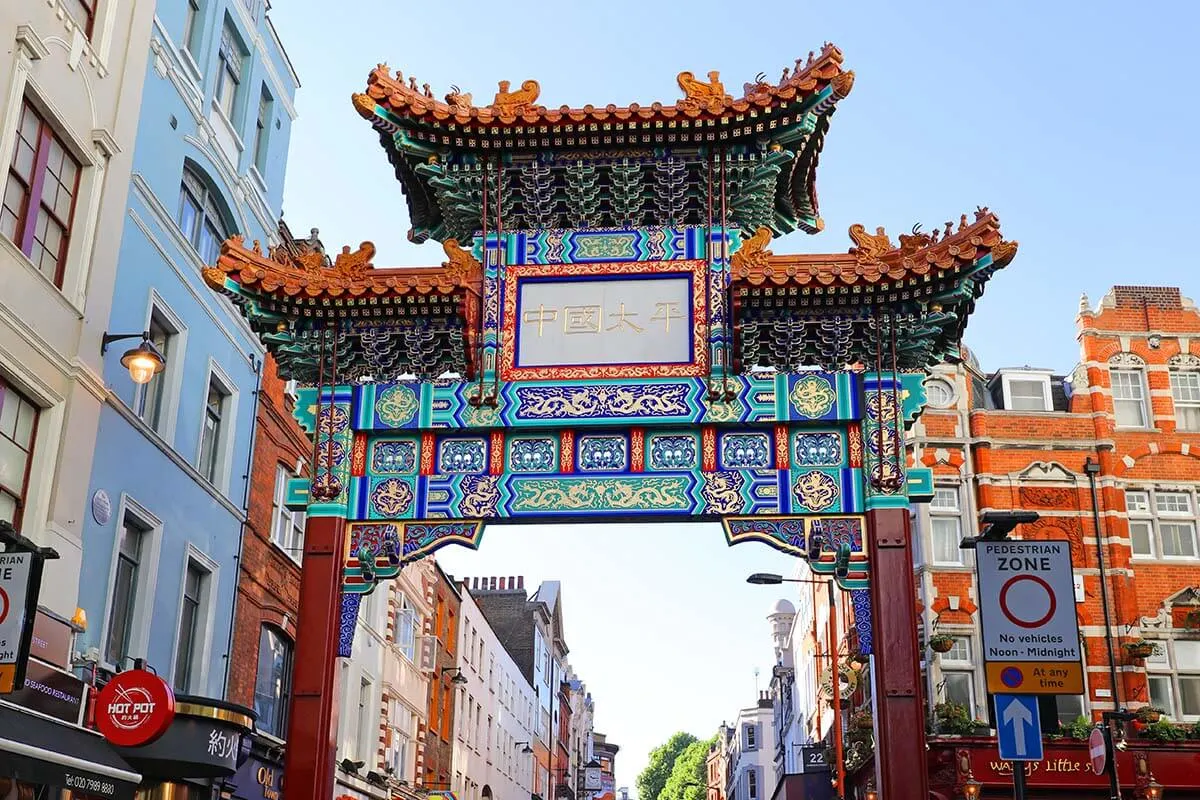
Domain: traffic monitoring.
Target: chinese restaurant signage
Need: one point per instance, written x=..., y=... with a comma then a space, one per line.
x=52, y=692
x=203, y=741
x=15, y=571
x=134, y=708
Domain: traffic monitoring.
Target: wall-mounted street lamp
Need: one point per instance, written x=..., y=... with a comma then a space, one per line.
x=143, y=361
x=995, y=526
x=971, y=789
x=526, y=749
x=459, y=679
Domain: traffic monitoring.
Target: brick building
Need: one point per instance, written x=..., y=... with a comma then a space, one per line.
x=1123, y=427
x=434, y=757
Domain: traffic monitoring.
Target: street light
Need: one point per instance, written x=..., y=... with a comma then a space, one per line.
x=143, y=361
x=526, y=750
x=971, y=789
x=459, y=679
x=996, y=525
x=771, y=579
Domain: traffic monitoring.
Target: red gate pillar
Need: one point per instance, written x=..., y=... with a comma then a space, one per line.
x=901, y=771
x=308, y=767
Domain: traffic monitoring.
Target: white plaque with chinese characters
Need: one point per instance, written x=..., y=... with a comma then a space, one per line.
x=605, y=321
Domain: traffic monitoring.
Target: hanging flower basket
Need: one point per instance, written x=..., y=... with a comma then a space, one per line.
x=1149, y=714
x=863, y=721
x=1140, y=649
x=1191, y=620
x=941, y=643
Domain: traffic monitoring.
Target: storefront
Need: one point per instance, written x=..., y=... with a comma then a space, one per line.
x=45, y=753
x=261, y=776
x=969, y=768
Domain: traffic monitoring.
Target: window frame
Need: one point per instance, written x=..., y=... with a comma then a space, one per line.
x=211, y=212
x=281, y=516
x=282, y=699
x=1139, y=373
x=939, y=512
x=166, y=383
x=34, y=191
x=143, y=606
x=1167, y=668
x=231, y=66
x=362, y=739
x=262, y=132
x=20, y=495
x=226, y=434
x=1189, y=405
x=202, y=631
x=1153, y=519
x=942, y=384
x=1008, y=377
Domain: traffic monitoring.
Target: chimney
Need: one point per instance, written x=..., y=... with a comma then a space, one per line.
x=1167, y=297
x=512, y=582
x=520, y=581
x=502, y=586
x=492, y=582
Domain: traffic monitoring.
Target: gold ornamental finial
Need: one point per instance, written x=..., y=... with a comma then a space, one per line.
x=842, y=83
x=508, y=103
x=364, y=104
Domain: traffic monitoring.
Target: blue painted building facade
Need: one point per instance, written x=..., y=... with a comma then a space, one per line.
x=169, y=483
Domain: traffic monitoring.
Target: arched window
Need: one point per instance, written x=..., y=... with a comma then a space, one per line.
x=1127, y=373
x=273, y=684
x=202, y=216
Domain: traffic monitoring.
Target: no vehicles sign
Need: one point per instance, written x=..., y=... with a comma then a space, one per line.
x=1030, y=633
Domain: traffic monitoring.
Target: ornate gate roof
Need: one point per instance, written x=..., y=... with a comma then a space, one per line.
x=602, y=166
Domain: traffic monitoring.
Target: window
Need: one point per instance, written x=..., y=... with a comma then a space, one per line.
x=189, y=626
x=366, y=740
x=230, y=75
x=402, y=723
x=1069, y=707
x=273, y=681
x=287, y=527
x=1185, y=392
x=958, y=674
x=748, y=730
x=945, y=524
x=1162, y=524
x=408, y=626
x=210, y=437
x=1174, y=678
x=262, y=132
x=39, y=196
x=84, y=14
x=18, y=426
x=191, y=28
x=751, y=785
x=200, y=217
x=149, y=400
x=1129, y=398
x=939, y=393
x=124, y=592
x=1027, y=395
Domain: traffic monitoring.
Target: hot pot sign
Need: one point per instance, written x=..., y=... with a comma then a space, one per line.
x=134, y=708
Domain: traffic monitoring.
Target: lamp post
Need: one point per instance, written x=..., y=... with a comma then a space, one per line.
x=1108, y=718
x=771, y=579
x=143, y=361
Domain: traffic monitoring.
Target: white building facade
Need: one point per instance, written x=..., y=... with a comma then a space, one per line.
x=71, y=78
x=363, y=711
x=751, y=753
x=408, y=665
x=494, y=715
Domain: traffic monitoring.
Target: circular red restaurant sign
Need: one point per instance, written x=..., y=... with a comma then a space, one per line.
x=1097, y=750
x=134, y=708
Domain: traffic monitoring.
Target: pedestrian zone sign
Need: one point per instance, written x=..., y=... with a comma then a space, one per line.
x=1027, y=610
x=14, y=587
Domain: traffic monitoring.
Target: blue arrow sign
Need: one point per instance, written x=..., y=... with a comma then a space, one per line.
x=1019, y=728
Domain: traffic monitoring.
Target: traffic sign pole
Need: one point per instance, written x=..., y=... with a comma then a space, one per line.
x=1018, y=772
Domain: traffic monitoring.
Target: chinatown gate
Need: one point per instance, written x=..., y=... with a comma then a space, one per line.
x=610, y=339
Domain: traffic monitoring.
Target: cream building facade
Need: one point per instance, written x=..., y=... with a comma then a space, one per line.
x=494, y=714
x=71, y=75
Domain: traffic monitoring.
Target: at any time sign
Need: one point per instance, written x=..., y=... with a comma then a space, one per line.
x=1027, y=605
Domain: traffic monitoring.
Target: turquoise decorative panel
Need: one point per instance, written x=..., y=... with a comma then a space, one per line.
x=602, y=453
x=394, y=456
x=822, y=449
x=467, y=455
x=665, y=452
x=745, y=450
x=533, y=454
x=816, y=491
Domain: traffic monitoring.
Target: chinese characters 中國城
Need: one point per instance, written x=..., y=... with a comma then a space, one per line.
x=592, y=319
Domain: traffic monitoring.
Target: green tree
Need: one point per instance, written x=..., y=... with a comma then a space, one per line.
x=689, y=777
x=661, y=762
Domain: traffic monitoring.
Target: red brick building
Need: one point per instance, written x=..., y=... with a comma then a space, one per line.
x=435, y=756
x=269, y=573
x=1122, y=427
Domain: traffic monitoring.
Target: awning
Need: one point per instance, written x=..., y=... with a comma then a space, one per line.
x=37, y=749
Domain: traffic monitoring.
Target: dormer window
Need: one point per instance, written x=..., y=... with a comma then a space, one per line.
x=1025, y=390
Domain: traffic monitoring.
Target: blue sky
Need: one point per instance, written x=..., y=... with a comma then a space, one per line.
x=1074, y=123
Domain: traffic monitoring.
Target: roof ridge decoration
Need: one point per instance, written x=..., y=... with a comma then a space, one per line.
x=282, y=272
x=874, y=258
x=514, y=107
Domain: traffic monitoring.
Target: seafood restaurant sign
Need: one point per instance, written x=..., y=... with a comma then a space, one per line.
x=1030, y=632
